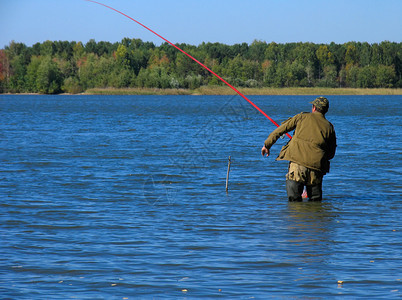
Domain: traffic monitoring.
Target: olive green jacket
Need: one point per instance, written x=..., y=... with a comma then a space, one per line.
x=313, y=143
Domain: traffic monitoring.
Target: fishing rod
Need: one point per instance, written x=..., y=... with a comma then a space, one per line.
x=197, y=61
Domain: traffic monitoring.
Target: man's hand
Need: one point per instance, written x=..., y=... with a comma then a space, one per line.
x=264, y=151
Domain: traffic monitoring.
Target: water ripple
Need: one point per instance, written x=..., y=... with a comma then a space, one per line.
x=124, y=198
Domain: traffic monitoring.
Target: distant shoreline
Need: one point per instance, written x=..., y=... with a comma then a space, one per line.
x=223, y=90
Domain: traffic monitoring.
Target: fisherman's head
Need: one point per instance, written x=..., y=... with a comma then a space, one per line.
x=321, y=104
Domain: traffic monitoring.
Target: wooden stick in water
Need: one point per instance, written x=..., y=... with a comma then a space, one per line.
x=227, y=176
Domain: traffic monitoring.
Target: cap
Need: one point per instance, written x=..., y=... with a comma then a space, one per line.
x=321, y=103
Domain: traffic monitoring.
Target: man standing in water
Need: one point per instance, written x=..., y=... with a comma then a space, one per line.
x=308, y=152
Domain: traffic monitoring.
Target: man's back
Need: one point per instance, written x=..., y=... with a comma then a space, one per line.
x=313, y=143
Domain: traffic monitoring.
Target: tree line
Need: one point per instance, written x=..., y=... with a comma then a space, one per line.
x=61, y=66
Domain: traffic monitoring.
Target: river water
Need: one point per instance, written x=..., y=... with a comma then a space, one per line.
x=123, y=197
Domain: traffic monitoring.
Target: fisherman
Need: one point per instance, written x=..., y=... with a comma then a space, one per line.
x=308, y=152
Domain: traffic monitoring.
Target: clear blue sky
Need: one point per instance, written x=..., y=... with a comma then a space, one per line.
x=197, y=21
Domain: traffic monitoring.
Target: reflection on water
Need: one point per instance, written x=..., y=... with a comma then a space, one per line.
x=310, y=220
x=311, y=225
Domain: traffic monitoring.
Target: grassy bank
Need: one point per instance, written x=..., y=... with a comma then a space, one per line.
x=223, y=90
x=137, y=91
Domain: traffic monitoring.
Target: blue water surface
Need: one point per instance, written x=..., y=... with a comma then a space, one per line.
x=123, y=197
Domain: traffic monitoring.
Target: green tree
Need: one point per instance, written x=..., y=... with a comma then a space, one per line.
x=366, y=77
x=385, y=76
x=309, y=79
x=235, y=72
x=342, y=77
x=122, y=55
x=4, y=71
x=269, y=71
x=256, y=51
x=121, y=78
x=192, y=81
x=36, y=49
x=304, y=53
x=213, y=80
x=64, y=50
x=365, y=54
x=151, y=78
x=389, y=51
x=91, y=47
x=325, y=58
x=86, y=71
x=185, y=66
x=18, y=72
x=32, y=74
x=351, y=56
x=338, y=50
x=233, y=51
x=19, y=56
x=352, y=74
x=78, y=51
x=138, y=59
x=298, y=75
x=47, y=49
x=272, y=52
x=72, y=85
x=330, y=76
x=109, y=73
x=49, y=78
x=282, y=75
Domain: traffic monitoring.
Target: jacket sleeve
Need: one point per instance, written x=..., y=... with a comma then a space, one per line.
x=331, y=146
x=286, y=126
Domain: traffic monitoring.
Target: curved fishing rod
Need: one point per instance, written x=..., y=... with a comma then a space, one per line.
x=197, y=61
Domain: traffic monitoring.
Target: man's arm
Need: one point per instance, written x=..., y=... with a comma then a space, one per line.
x=286, y=126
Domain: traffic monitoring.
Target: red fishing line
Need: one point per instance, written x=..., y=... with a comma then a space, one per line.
x=198, y=62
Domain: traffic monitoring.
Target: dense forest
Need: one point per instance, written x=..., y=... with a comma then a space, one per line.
x=73, y=67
